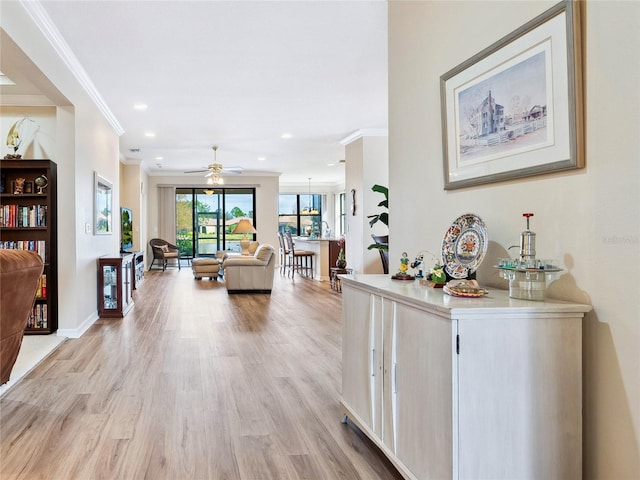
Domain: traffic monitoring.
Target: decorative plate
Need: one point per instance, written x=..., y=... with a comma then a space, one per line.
x=455, y=293
x=464, y=288
x=464, y=246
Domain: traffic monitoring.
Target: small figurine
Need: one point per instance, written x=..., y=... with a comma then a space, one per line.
x=18, y=186
x=437, y=275
x=404, y=263
x=404, y=266
x=434, y=277
x=417, y=265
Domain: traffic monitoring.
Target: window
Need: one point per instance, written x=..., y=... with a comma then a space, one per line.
x=300, y=214
x=206, y=219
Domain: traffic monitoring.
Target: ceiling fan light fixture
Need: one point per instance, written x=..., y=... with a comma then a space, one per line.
x=215, y=170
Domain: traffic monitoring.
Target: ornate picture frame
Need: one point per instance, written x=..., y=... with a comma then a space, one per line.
x=515, y=109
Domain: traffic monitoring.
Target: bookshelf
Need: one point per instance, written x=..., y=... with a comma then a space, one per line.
x=28, y=221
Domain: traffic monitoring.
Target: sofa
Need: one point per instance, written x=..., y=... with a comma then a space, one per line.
x=250, y=273
x=20, y=272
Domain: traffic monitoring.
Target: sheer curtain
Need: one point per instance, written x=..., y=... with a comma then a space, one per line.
x=167, y=213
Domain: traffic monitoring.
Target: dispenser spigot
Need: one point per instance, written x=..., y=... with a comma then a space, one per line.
x=527, y=215
x=528, y=244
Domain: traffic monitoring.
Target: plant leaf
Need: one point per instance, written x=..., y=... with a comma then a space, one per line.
x=381, y=189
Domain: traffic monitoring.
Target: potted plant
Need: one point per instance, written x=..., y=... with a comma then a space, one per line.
x=341, y=261
x=381, y=241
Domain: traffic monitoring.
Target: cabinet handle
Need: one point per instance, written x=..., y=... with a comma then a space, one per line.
x=395, y=378
x=373, y=362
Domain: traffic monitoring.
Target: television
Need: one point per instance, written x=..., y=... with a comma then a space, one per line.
x=126, y=229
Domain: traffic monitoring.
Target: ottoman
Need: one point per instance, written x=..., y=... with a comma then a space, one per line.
x=205, y=267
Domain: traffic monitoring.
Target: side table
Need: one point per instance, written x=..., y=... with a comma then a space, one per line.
x=336, y=283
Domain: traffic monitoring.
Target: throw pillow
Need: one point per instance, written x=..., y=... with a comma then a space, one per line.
x=264, y=253
x=253, y=246
x=164, y=248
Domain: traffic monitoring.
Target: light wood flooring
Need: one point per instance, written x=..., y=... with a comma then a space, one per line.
x=193, y=384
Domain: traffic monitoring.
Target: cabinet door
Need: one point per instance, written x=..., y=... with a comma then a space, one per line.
x=360, y=368
x=386, y=400
x=421, y=391
x=520, y=411
x=127, y=283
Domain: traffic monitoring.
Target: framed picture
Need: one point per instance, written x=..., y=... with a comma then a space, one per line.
x=515, y=109
x=103, y=221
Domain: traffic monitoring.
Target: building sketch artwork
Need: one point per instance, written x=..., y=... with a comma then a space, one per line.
x=505, y=113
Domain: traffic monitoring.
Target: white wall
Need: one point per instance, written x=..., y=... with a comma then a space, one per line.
x=589, y=220
x=367, y=164
x=133, y=196
x=84, y=142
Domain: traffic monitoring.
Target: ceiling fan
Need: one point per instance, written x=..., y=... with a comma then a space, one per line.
x=215, y=170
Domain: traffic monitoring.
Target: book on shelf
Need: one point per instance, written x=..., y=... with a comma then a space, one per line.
x=41, y=293
x=38, y=246
x=19, y=216
x=38, y=317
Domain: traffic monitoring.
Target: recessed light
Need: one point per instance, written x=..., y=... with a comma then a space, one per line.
x=262, y=159
x=149, y=134
x=330, y=164
x=286, y=135
x=159, y=158
x=140, y=106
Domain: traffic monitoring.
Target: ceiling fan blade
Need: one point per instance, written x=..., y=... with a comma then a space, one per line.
x=196, y=171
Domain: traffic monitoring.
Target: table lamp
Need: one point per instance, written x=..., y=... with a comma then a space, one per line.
x=245, y=227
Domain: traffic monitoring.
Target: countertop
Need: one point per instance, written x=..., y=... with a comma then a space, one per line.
x=434, y=299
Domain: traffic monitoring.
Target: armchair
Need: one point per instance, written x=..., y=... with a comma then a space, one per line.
x=250, y=273
x=20, y=272
x=164, y=251
x=222, y=255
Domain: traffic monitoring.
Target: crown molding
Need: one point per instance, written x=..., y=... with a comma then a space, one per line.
x=42, y=20
x=364, y=132
x=27, y=101
x=130, y=161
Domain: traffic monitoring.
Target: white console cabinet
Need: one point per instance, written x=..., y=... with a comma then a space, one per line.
x=463, y=388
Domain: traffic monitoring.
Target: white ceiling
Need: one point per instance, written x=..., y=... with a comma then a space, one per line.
x=235, y=74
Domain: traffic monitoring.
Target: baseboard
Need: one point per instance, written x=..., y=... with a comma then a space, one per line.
x=77, y=332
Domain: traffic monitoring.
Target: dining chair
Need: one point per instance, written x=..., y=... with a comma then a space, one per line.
x=296, y=258
x=284, y=253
